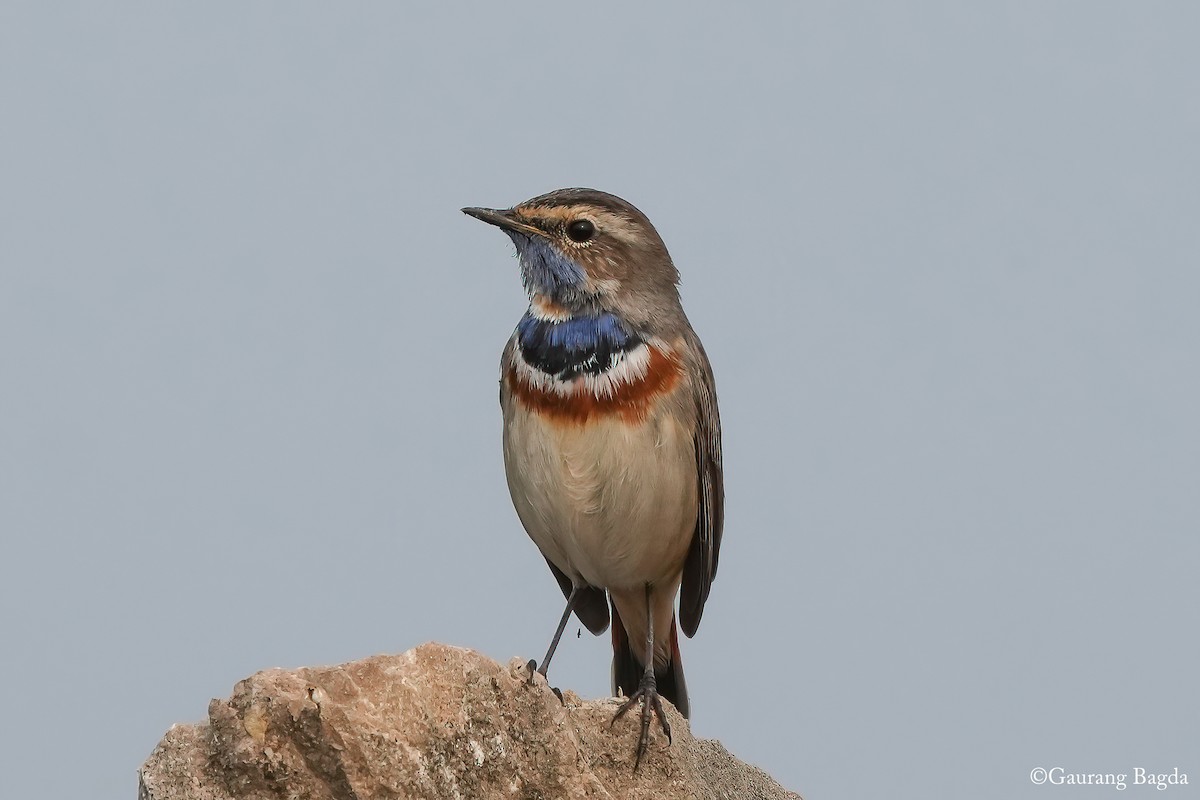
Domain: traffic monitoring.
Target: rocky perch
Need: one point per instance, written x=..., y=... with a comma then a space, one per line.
x=435, y=722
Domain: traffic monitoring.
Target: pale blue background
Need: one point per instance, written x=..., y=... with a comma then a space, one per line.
x=944, y=259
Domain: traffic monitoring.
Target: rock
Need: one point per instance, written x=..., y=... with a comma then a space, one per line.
x=435, y=722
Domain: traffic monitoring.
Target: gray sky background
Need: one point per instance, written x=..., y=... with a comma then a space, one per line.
x=944, y=259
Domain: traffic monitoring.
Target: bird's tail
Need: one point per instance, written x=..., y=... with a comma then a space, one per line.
x=627, y=668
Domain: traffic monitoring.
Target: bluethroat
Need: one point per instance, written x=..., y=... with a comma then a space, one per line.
x=612, y=440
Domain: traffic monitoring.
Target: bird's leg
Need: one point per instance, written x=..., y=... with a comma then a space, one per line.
x=562, y=623
x=647, y=692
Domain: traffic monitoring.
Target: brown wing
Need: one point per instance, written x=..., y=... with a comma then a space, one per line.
x=701, y=565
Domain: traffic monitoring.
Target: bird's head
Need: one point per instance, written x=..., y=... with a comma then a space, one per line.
x=586, y=251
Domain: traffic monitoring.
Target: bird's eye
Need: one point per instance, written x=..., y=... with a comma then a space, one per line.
x=581, y=230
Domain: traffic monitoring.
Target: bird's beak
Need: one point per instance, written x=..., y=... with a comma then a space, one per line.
x=505, y=219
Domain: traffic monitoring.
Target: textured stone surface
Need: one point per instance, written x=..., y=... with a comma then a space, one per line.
x=435, y=722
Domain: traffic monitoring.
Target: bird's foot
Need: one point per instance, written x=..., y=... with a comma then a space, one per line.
x=647, y=693
x=532, y=666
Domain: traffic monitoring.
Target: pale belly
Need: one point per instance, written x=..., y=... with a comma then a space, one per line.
x=610, y=503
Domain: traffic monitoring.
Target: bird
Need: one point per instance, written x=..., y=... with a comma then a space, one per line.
x=611, y=436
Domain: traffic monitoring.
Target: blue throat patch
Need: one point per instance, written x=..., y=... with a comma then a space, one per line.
x=544, y=270
x=582, y=345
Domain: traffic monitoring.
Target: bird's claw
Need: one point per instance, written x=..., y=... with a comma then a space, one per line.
x=532, y=666
x=647, y=693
